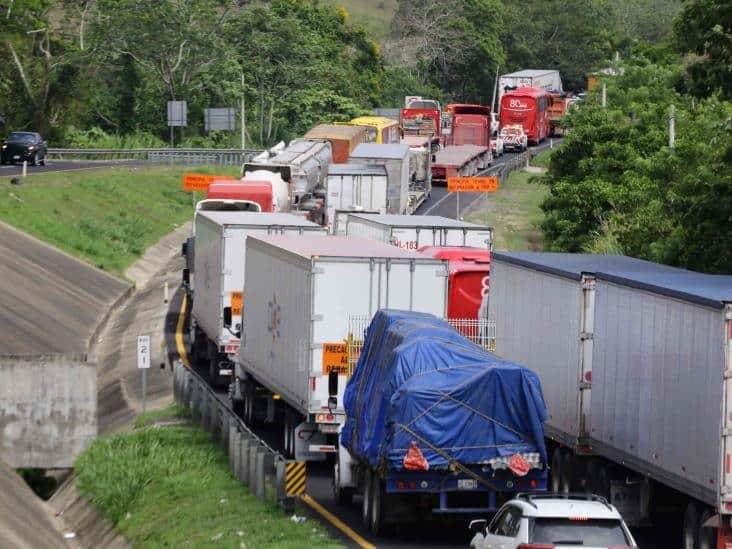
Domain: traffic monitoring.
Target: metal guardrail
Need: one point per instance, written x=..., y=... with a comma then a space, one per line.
x=253, y=462
x=516, y=162
x=221, y=157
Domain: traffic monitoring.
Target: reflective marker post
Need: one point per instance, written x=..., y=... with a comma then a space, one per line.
x=143, y=363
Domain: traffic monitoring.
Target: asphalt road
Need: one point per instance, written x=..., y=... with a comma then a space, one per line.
x=12, y=170
x=51, y=302
x=445, y=204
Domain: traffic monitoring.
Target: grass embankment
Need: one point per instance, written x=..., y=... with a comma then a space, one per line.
x=105, y=216
x=513, y=211
x=172, y=487
x=374, y=15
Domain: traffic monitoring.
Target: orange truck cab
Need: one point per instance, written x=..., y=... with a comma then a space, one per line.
x=258, y=193
x=469, y=277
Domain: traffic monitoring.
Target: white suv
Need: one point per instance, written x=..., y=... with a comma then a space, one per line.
x=546, y=521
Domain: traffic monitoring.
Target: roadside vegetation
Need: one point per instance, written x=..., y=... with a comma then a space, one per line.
x=175, y=476
x=106, y=216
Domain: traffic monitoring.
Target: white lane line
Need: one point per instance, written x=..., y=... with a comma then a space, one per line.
x=440, y=201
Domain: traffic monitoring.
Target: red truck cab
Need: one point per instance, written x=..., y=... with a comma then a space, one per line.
x=470, y=124
x=258, y=193
x=469, y=276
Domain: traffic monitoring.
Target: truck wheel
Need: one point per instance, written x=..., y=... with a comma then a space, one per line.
x=690, y=532
x=366, y=504
x=377, y=506
x=556, y=470
x=708, y=535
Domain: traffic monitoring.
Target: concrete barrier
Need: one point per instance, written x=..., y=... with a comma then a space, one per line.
x=48, y=414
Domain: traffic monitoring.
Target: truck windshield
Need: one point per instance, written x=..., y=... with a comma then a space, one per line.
x=21, y=137
x=568, y=532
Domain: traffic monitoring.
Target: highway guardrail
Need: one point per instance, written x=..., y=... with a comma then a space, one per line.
x=222, y=157
x=269, y=476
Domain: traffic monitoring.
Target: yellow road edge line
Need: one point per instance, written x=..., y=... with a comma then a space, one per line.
x=179, y=333
x=335, y=521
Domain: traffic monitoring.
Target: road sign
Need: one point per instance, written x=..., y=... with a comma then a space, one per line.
x=220, y=119
x=143, y=351
x=201, y=181
x=177, y=113
x=472, y=184
x=335, y=358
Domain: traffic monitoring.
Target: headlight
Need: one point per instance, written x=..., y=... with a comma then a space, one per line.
x=31, y=147
x=5, y=146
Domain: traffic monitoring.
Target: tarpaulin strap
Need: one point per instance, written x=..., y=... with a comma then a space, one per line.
x=452, y=462
x=486, y=417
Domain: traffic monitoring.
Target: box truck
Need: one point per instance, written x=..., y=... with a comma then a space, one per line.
x=395, y=158
x=548, y=80
x=219, y=264
x=356, y=187
x=411, y=232
x=301, y=294
x=635, y=361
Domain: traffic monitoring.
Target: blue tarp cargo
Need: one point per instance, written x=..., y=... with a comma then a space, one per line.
x=420, y=381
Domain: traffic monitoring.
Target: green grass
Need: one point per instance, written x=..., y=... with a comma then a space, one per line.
x=171, y=412
x=171, y=487
x=542, y=159
x=106, y=216
x=513, y=212
x=374, y=15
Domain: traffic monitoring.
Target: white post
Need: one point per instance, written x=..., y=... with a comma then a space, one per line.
x=243, y=116
x=604, y=95
x=165, y=292
x=672, y=127
x=25, y=167
x=457, y=215
x=551, y=143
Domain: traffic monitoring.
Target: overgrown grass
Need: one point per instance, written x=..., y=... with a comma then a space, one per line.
x=171, y=487
x=106, y=216
x=542, y=159
x=374, y=15
x=174, y=411
x=513, y=212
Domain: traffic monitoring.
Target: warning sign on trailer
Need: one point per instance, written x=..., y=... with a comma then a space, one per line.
x=201, y=181
x=472, y=184
x=335, y=358
x=237, y=299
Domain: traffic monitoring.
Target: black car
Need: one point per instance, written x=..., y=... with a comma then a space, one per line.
x=21, y=146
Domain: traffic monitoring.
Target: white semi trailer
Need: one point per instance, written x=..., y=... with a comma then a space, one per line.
x=635, y=361
x=301, y=294
x=219, y=264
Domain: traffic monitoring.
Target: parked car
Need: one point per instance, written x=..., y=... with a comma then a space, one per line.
x=496, y=146
x=514, y=138
x=544, y=521
x=20, y=146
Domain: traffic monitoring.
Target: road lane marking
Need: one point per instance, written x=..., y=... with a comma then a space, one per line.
x=179, y=333
x=440, y=201
x=335, y=521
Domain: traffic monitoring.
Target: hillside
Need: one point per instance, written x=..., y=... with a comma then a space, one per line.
x=374, y=15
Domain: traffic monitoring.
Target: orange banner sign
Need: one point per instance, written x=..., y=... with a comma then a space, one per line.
x=335, y=358
x=237, y=300
x=472, y=184
x=201, y=181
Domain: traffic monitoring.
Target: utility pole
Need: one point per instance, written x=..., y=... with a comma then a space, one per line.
x=672, y=127
x=243, y=116
x=604, y=95
x=495, y=89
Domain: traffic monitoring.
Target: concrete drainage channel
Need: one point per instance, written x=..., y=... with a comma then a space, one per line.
x=255, y=464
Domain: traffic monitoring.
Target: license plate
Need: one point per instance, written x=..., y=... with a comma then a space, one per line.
x=16, y=157
x=467, y=484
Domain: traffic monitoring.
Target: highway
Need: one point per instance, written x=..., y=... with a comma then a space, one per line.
x=13, y=170
x=444, y=204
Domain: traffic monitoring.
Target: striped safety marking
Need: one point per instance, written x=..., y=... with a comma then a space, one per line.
x=295, y=478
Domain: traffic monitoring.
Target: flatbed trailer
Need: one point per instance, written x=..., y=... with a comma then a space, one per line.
x=459, y=161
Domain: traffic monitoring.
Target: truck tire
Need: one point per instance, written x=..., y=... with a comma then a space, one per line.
x=367, y=497
x=707, y=536
x=690, y=527
x=378, y=494
x=556, y=470
x=342, y=496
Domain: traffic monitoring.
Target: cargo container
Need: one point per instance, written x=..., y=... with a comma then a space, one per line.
x=411, y=232
x=528, y=108
x=548, y=80
x=303, y=164
x=356, y=187
x=219, y=264
x=343, y=139
x=396, y=160
x=421, y=149
x=459, y=161
x=380, y=129
x=634, y=359
x=559, y=105
x=301, y=293
x=420, y=439
x=469, y=277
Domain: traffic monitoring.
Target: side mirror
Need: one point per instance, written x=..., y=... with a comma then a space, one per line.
x=478, y=526
x=333, y=383
x=186, y=276
x=227, y=317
